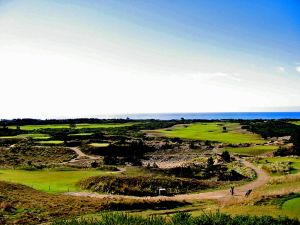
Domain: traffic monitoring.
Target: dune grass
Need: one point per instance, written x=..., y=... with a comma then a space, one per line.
x=295, y=162
x=59, y=181
x=80, y=134
x=252, y=150
x=78, y=126
x=212, y=132
x=36, y=136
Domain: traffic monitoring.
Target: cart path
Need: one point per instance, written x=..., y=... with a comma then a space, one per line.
x=221, y=195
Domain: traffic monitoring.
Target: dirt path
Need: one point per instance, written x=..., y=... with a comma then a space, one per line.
x=80, y=156
x=222, y=195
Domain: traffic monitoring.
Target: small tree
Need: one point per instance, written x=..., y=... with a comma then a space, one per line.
x=72, y=125
x=226, y=156
x=94, y=164
x=224, y=129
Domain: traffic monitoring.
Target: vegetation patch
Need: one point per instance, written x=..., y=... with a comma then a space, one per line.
x=143, y=185
x=252, y=150
x=36, y=136
x=218, y=132
x=181, y=218
x=26, y=155
x=99, y=144
x=281, y=164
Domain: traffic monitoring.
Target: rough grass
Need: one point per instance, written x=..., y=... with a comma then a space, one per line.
x=292, y=162
x=20, y=204
x=252, y=150
x=212, y=132
x=59, y=181
x=78, y=126
x=23, y=155
x=80, y=134
x=143, y=185
x=33, y=136
x=181, y=219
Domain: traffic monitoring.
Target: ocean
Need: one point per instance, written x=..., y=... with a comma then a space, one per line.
x=207, y=116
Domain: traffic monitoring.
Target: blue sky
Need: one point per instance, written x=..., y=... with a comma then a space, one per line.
x=135, y=56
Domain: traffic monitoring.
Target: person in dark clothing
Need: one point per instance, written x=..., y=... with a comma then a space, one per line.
x=232, y=190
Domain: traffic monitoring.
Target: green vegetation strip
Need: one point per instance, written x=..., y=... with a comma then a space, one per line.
x=292, y=205
x=252, y=150
x=53, y=142
x=99, y=144
x=78, y=126
x=212, y=132
x=33, y=136
x=48, y=180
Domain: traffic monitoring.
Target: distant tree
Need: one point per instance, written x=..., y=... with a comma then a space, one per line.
x=18, y=127
x=72, y=125
x=224, y=129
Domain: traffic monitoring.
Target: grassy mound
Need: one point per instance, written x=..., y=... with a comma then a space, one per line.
x=23, y=155
x=143, y=185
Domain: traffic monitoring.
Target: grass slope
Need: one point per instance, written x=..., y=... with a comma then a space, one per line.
x=59, y=181
x=212, y=132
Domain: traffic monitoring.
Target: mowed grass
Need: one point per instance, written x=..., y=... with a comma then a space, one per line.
x=252, y=150
x=52, y=142
x=59, y=181
x=33, y=136
x=296, y=122
x=292, y=205
x=80, y=134
x=295, y=162
x=99, y=144
x=212, y=132
x=78, y=126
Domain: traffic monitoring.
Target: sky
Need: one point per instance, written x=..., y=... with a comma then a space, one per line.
x=81, y=58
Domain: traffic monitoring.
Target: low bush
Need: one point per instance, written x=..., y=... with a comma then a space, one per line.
x=143, y=185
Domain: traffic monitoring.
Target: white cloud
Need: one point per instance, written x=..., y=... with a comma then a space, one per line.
x=298, y=69
x=281, y=69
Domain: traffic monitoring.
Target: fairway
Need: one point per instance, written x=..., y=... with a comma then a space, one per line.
x=252, y=150
x=296, y=122
x=99, y=144
x=33, y=136
x=212, y=132
x=59, y=181
x=52, y=142
x=292, y=205
x=78, y=126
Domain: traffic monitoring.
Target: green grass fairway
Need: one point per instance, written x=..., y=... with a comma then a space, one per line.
x=53, y=142
x=78, y=126
x=33, y=136
x=99, y=144
x=292, y=205
x=212, y=132
x=253, y=150
x=59, y=181
x=294, y=160
x=80, y=134
x=296, y=122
